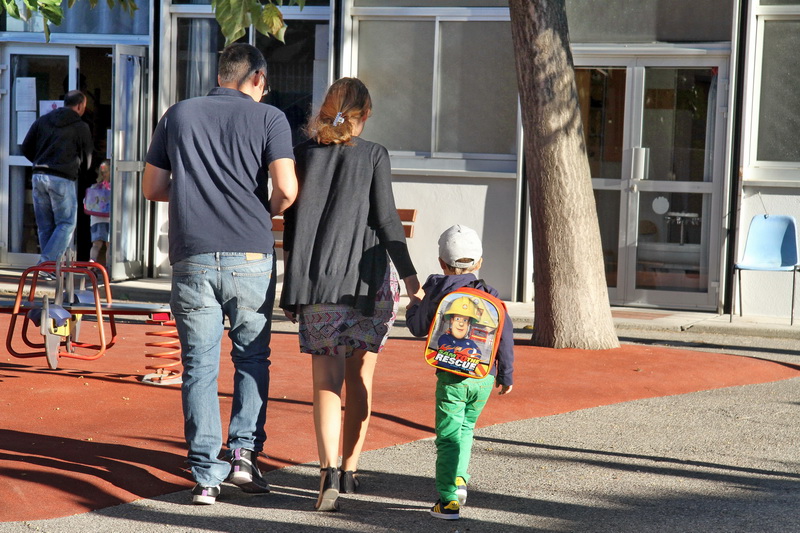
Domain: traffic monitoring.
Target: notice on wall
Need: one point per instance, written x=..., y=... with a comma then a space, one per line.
x=45, y=106
x=25, y=94
x=25, y=120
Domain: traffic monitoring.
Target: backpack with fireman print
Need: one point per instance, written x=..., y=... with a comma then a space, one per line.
x=465, y=333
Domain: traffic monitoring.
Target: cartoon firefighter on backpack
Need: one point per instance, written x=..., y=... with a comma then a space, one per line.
x=456, y=349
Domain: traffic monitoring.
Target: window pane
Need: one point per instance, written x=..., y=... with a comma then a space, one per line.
x=779, y=106
x=22, y=236
x=478, y=98
x=295, y=69
x=395, y=61
x=47, y=77
x=678, y=122
x=646, y=21
x=199, y=43
x=607, y=203
x=601, y=92
x=672, y=251
x=208, y=2
x=82, y=18
x=431, y=3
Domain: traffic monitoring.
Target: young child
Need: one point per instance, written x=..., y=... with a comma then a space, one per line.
x=100, y=227
x=459, y=400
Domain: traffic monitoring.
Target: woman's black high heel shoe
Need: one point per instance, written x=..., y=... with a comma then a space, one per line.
x=329, y=490
x=348, y=482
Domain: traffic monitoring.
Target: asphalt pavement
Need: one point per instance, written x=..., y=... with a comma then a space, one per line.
x=724, y=460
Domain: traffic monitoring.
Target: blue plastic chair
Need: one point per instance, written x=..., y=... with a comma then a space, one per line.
x=771, y=246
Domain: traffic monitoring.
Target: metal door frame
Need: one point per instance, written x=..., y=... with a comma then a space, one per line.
x=6, y=160
x=128, y=267
x=635, y=60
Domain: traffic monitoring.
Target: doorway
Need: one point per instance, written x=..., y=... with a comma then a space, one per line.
x=114, y=80
x=654, y=133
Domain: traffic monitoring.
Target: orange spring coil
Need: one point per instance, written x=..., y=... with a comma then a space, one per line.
x=168, y=371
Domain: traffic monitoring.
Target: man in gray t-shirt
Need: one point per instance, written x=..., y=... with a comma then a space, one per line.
x=210, y=158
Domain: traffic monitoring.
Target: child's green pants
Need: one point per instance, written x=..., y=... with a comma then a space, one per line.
x=459, y=401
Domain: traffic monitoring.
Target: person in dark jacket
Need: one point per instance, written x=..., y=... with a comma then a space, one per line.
x=459, y=399
x=338, y=281
x=59, y=144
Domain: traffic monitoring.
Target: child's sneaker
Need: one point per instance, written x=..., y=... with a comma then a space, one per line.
x=446, y=512
x=461, y=491
x=204, y=495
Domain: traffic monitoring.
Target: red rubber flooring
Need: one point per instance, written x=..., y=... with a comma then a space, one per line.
x=90, y=435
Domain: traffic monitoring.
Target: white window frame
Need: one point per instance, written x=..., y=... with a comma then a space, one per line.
x=435, y=161
x=765, y=173
x=170, y=13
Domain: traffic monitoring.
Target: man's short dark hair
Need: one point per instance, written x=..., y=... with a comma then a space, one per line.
x=74, y=98
x=239, y=61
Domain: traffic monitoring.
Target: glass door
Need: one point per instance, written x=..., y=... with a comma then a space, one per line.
x=672, y=185
x=653, y=137
x=35, y=80
x=128, y=149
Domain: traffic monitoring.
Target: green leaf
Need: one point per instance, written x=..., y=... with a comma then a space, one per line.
x=281, y=33
x=51, y=12
x=130, y=6
x=12, y=8
x=273, y=18
x=234, y=17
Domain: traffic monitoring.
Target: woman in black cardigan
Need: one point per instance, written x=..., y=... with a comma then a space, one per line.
x=339, y=281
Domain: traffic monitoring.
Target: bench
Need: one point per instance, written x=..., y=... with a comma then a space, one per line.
x=407, y=217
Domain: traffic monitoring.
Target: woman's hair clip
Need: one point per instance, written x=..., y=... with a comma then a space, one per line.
x=338, y=120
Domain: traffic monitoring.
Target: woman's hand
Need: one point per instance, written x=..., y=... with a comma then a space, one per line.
x=291, y=316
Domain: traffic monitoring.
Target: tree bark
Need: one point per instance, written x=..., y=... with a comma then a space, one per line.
x=571, y=298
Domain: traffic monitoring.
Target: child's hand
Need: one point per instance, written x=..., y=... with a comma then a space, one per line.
x=504, y=389
x=291, y=316
x=413, y=290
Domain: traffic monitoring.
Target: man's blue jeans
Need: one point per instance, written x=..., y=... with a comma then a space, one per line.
x=55, y=206
x=205, y=289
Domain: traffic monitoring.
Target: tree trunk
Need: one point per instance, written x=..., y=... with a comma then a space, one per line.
x=571, y=299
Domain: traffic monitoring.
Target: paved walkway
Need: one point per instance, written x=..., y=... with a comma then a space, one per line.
x=661, y=456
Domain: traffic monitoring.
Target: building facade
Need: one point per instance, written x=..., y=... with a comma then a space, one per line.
x=688, y=110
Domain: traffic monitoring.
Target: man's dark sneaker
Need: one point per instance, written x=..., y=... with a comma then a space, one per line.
x=245, y=473
x=448, y=511
x=202, y=495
